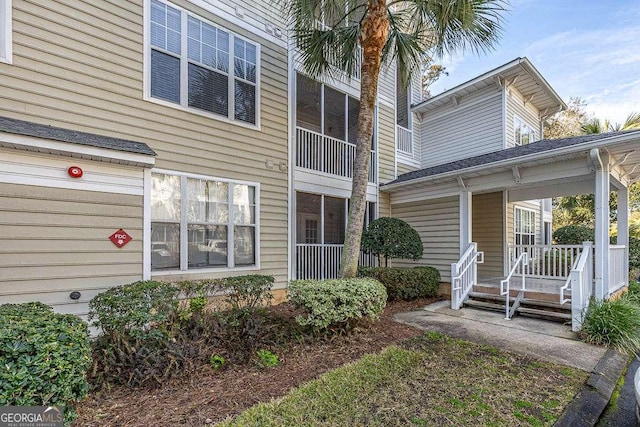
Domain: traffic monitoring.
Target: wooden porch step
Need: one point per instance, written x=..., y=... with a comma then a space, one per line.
x=483, y=305
x=545, y=314
x=541, y=309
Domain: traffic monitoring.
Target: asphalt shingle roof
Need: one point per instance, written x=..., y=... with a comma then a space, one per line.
x=506, y=154
x=22, y=127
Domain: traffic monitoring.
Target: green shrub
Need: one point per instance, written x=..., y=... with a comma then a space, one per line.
x=337, y=305
x=44, y=357
x=405, y=283
x=634, y=254
x=614, y=323
x=140, y=310
x=267, y=359
x=573, y=235
x=391, y=238
x=217, y=361
x=156, y=330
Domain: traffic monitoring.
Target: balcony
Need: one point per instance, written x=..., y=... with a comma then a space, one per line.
x=322, y=261
x=404, y=137
x=325, y=154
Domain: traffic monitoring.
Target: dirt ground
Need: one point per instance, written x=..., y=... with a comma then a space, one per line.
x=210, y=396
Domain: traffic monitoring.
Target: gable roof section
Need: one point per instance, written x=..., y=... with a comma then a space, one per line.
x=21, y=127
x=539, y=149
x=520, y=73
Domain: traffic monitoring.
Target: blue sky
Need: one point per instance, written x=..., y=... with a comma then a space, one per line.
x=584, y=48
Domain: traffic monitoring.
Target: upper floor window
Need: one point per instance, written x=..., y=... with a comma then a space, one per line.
x=199, y=222
x=523, y=133
x=5, y=31
x=403, y=101
x=196, y=64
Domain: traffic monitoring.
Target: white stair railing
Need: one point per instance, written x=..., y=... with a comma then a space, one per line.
x=505, y=284
x=464, y=275
x=580, y=283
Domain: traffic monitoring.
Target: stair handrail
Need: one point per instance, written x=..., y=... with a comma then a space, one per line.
x=469, y=259
x=567, y=284
x=522, y=259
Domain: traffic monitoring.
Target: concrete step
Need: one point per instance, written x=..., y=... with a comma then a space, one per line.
x=483, y=305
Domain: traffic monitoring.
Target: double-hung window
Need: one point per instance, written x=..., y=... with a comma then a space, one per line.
x=198, y=65
x=201, y=222
x=525, y=226
x=5, y=31
x=523, y=133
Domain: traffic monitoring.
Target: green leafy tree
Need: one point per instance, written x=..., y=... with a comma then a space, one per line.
x=430, y=74
x=568, y=122
x=595, y=126
x=331, y=35
x=391, y=238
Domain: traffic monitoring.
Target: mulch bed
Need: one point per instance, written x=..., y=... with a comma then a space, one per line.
x=209, y=396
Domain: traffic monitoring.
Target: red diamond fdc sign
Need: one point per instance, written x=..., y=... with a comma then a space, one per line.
x=120, y=238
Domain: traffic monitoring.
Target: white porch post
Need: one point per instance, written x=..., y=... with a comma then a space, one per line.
x=466, y=209
x=623, y=228
x=601, y=164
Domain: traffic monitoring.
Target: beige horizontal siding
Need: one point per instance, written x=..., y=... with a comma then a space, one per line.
x=384, y=204
x=54, y=241
x=488, y=232
x=79, y=65
x=438, y=223
x=386, y=143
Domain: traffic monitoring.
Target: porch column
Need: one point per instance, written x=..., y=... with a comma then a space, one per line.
x=466, y=209
x=623, y=227
x=601, y=163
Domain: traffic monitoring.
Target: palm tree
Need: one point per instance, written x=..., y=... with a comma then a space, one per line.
x=332, y=34
x=595, y=126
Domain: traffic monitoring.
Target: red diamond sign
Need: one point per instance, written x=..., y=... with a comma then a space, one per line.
x=120, y=238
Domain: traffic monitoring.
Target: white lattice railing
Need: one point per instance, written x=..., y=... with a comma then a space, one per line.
x=546, y=262
x=404, y=138
x=322, y=261
x=329, y=155
x=464, y=275
x=617, y=276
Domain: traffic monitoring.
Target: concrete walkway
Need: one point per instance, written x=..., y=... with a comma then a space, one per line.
x=542, y=339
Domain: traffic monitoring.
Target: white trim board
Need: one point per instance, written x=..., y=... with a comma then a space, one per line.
x=48, y=171
x=67, y=149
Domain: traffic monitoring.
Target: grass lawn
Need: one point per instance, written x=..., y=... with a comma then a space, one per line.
x=428, y=380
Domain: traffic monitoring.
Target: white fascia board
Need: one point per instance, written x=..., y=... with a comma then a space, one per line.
x=73, y=150
x=507, y=163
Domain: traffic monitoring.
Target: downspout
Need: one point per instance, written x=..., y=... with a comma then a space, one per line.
x=601, y=202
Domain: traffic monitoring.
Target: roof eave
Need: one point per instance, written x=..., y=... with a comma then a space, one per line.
x=516, y=160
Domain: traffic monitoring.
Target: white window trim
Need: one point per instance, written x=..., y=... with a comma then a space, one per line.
x=522, y=123
x=148, y=221
x=147, y=69
x=515, y=225
x=6, y=32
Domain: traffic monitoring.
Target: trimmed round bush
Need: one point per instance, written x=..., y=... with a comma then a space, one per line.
x=339, y=304
x=44, y=357
x=573, y=235
x=391, y=238
x=405, y=283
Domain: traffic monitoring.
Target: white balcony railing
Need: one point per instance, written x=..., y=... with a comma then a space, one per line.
x=548, y=262
x=404, y=138
x=329, y=155
x=617, y=275
x=322, y=261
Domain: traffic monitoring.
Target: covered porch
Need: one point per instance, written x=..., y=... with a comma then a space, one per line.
x=491, y=253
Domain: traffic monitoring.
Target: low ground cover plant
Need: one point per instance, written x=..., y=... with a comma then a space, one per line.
x=405, y=283
x=339, y=305
x=43, y=357
x=152, y=330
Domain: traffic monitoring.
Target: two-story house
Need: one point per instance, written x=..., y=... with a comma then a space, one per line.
x=179, y=139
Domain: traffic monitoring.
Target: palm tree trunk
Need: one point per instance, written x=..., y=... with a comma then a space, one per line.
x=375, y=29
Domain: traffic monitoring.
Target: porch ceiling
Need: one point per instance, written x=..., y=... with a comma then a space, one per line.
x=543, y=169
